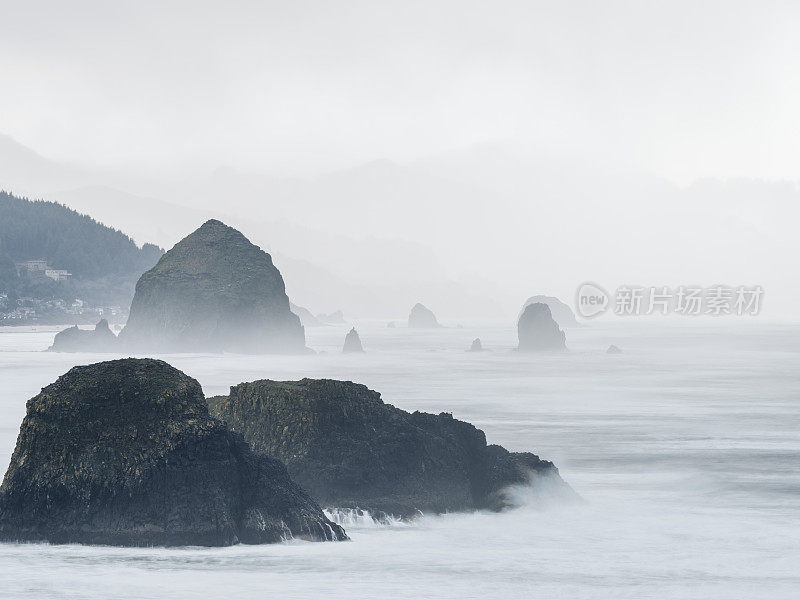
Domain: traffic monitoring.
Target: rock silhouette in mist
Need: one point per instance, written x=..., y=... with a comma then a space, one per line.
x=538, y=331
x=213, y=291
x=125, y=453
x=307, y=319
x=561, y=312
x=612, y=349
x=340, y=441
x=335, y=318
x=421, y=317
x=476, y=345
x=352, y=343
x=99, y=339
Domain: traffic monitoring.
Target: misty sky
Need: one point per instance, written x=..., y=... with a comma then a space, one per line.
x=683, y=89
x=463, y=154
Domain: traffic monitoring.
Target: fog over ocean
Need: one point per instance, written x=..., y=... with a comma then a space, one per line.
x=685, y=450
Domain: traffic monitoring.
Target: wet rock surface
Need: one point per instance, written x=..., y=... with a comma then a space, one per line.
x=340, y=441
x=125, y=453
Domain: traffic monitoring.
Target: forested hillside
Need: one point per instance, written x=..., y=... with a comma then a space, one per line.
x=104, y=262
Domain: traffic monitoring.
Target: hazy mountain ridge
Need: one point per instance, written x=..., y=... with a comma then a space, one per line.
x=69, y=241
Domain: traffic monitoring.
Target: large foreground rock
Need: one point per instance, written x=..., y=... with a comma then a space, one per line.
x=99, y=339
x=125, y=453
x=538, y=331
x=422, y=317
x=213, y=291
x=350, y=449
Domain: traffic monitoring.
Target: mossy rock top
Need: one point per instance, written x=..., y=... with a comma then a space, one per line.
x=125, y=452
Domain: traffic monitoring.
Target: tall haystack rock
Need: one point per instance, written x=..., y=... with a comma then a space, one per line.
x=213, y=291
x=352, y=343
x=562, y=313
x=421, y=317
x=125, y=453
x=99, y=339
x=538, y=331
x=341, y=442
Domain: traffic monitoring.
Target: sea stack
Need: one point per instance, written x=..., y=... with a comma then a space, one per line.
x=612, y=349
x=476, y=345
x=340, y=441
x=125, y=453
x=538, y=331
x=213, y=291
x=352, y=343
x=561, y=312
x=421, y=317
x=100, y=339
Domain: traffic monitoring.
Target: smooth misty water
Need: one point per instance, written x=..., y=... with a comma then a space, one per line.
x=686, y=449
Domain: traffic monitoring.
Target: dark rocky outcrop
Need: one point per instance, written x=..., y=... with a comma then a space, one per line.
x=476, y=345
x=612, y=349
x=538, y=331
x=562, y=313
x=213, y=291
x=99, y=339
x=352, y=343
x=125, y=453
x=422, y=317
x=350, y=449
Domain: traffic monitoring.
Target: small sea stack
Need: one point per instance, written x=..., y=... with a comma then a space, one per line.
x=352, y=343
x=561, y=311
x=612, y=349
x=421, y=317
x=476, y=346
x=538, y=331
x=73, y=339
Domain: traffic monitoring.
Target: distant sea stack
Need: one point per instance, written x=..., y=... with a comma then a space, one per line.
x=538, y=331
x=125, y=453
x=335, y=318
x=612, y=349
x=352, y=343
x=421, y=317
x=307, y=319
x=476, y=345
x=99, y=339
x=213, y=291
x=341, y=442
x=562, y=313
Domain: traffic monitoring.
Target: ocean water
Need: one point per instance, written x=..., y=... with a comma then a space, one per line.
x=685, y=450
